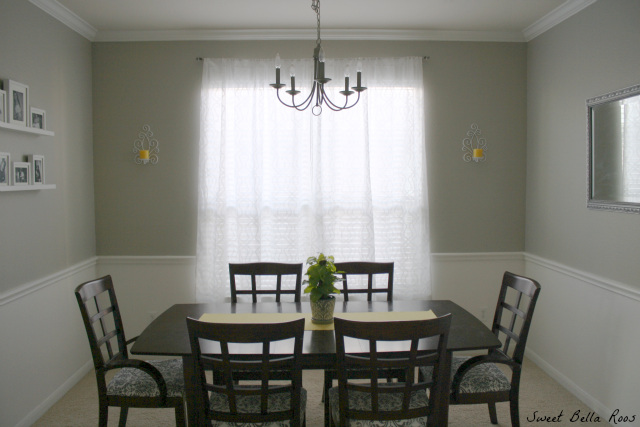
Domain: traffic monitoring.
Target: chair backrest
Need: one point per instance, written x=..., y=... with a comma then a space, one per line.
x=203, y=334
x=522, y=286
x=369, y=269
x=265, y=269
x=376, y=360
x=98, y=304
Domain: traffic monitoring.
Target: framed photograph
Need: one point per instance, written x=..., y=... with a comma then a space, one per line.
x=5, y=169
x=17, y=102
x=21, y=173
x=3, y=103
x=37, y=169
x=38, y=118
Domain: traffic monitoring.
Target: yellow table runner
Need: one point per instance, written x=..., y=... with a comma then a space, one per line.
x=382, y=316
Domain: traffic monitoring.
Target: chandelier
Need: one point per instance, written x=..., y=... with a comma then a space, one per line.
x=318, y=96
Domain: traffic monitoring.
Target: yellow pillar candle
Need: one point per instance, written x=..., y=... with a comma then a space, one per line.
x=144, y=154
x=477, y=153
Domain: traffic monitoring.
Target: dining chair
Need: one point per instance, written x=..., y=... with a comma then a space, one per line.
x=369, y=269
x=229, y=404
x=255, y=269
x=389, y=404
x=138, y=384
x=479, y=379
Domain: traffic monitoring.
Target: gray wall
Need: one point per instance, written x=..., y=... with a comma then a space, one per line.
x=151, y=210
x=590, y=54
x=44, y=232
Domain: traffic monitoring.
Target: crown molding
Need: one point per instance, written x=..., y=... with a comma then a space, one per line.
x=73, y=21
x=67, y=17
x=565, y=11
x=486, y=36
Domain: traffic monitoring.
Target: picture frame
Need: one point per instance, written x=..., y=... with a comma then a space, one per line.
x=17, y=102
x=3, y=106
x=38, y=118
x=5, y=169
x=21, y=173
x=37, y=169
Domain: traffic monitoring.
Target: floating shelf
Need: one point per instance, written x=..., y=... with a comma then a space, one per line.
x=25, y=129
x=27, y=187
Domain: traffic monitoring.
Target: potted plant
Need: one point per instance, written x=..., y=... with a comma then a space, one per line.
x=322, y=276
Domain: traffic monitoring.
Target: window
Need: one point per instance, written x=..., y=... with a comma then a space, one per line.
x=280, y=185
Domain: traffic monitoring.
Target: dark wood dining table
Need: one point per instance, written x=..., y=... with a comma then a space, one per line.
x=167, y=336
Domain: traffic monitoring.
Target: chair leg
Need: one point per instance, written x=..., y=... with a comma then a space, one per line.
x=124, y=411
x=515, y=413
x=103, y=415
x=180, y=420
x=492, y=412
x=328, y=382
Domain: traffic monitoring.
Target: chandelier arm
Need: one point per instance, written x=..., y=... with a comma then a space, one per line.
x=335, y=107
x=293, y=102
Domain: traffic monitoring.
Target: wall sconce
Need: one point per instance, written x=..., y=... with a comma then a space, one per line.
x=475, y=152
x=149, y=154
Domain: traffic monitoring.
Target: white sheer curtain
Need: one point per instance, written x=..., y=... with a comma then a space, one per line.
x=280, y=185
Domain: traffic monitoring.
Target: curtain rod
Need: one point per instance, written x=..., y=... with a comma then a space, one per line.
x=426, y=58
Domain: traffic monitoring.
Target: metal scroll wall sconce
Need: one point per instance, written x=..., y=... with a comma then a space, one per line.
x=148, y=154
x=474, y=146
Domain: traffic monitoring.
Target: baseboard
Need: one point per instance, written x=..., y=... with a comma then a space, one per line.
x=586, y=398
x=43, y=407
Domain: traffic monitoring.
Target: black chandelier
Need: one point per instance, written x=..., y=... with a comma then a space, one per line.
x=319, y=80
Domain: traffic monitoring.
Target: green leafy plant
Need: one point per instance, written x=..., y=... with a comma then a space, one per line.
x=321, y=274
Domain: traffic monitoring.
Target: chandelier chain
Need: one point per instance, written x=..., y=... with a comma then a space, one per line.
x=315, y=5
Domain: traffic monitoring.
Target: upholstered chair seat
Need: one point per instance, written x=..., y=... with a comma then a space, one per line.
x=251, y=405
x=135, y=382
x=361, y=401
x=483, y=378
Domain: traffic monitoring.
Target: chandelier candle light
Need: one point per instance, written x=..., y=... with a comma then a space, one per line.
x=318, y=95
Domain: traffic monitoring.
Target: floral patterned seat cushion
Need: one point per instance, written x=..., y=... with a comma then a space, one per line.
x=135, y=382
x=251, y=404
x=483, y=378
x=387, y=402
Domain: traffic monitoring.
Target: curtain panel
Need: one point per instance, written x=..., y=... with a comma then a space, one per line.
x=279, y=185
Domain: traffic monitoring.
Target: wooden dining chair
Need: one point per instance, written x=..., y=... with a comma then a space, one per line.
x=390, y=404
x=138, y=384
x=268, y=404
x=478, y=379
x=369, y=269
x=266, y=269
x=354, y=269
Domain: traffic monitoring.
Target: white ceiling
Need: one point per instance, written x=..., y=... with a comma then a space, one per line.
x=494, y=20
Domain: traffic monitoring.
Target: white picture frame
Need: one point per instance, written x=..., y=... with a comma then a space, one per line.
x=37, y=169
x=17, y=104
x=5, y=169
x=21, y=173
x=3, y=106
x=38, y=118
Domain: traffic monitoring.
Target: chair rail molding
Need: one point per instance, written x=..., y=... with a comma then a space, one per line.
x=36, y=285
x=592, y=279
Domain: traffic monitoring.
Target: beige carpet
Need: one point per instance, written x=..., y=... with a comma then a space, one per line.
x=538, y=393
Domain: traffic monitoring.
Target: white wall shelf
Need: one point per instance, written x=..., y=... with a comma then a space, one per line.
x=27, y=187
x=26, y=129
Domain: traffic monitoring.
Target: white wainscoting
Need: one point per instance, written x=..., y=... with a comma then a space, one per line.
x=147, y=284
x=43, y=344
x=584, y=333
x=472, y=280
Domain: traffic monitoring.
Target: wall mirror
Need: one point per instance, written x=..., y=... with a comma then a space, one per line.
x=614, y=151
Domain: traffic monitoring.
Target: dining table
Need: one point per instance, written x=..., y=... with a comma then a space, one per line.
x=167, y=335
